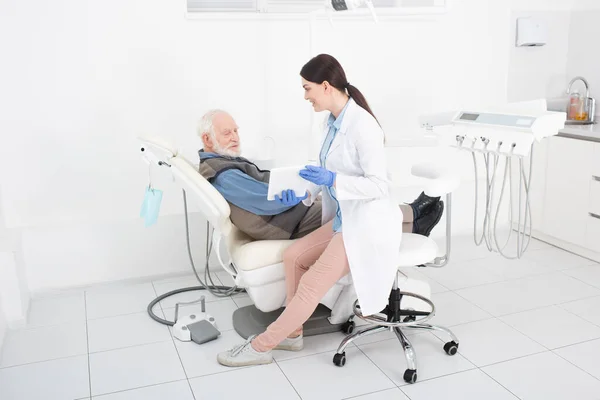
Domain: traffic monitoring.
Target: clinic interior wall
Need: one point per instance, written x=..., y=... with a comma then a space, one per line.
x=584, y=59
x=540, y=72
x=3, y=325
x=87, y=78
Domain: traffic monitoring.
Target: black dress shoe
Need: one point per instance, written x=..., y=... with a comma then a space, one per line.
x=425, y=224
x=422, y=204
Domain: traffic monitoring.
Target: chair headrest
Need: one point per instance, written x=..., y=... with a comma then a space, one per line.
x=159, y=146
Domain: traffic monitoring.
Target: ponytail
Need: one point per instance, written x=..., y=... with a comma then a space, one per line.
x=359, y=99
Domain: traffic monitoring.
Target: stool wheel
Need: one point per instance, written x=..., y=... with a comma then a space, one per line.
x=410, y=375
x=348, y=327
x=340, y=359
x=451, y=348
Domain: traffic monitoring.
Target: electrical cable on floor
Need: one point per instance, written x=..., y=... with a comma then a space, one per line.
x=216, y=290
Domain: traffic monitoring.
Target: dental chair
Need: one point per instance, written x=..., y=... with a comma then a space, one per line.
x=256, y=265
x=407, y=309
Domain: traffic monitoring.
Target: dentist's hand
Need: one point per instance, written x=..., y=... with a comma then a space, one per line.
x=288, y=198
x=318, y=175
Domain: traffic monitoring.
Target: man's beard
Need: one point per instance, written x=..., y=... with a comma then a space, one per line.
x=226, y=151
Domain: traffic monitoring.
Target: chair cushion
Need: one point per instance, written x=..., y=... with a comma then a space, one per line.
x=416, y=249
x=248, y=254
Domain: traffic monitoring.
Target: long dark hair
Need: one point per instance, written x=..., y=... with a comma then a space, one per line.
x=326, y=68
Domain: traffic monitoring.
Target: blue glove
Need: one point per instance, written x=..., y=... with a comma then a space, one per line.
x=318, y=175
x=289, y=199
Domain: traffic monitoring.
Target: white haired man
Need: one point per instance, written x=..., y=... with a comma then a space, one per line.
x=245, y=188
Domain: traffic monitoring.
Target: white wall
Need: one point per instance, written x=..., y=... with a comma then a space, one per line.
x=540, y=72
x=584, y=59
x=85, y=78
x=3, y=327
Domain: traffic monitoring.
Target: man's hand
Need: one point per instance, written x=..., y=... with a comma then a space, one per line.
x=288, y=198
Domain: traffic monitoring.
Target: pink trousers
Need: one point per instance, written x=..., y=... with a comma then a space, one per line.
x=313, y=265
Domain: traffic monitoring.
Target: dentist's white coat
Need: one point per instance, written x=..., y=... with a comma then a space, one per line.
x=371, y=222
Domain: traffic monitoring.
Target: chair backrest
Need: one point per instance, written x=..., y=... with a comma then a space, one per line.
x=212, y=204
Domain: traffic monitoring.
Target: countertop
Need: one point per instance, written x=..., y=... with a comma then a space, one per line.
x=581, y=132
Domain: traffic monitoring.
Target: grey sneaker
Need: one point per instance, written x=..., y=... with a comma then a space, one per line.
x=291, y=344
x=244, y=355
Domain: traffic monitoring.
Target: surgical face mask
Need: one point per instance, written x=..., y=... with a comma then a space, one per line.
x=151, y=206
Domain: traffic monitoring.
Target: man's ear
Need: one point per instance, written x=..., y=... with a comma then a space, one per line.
x=206, y=140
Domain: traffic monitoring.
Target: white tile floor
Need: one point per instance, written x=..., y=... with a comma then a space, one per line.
x=529, y=329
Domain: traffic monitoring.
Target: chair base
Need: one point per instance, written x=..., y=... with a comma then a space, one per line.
x=250, y=320
x=396, y=320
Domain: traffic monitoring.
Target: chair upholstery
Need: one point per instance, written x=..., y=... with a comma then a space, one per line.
x=260, y=268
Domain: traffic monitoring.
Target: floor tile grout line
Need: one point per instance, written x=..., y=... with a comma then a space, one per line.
x=287, y=378
x=43, y=361
x=377, y=366
x=511, y=359
x=132, y=346
x=308, y=355
x=571, y=312
x=137, y=388
x=576, y=278
x=176, y=349
x=499, y=383
x=537, y=308
x=549, y=348
x=575, y=365
x=576, y=344
x=511, y=280
x=87, y=341
x=367, y=394
x=33, y=328
x=522, y=333
x=527, y=310
x=537, y=353
x=407, y=385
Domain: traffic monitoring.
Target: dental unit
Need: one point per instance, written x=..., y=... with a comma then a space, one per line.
x=506, y=133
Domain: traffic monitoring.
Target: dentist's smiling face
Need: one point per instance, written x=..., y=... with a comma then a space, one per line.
x=318, y=94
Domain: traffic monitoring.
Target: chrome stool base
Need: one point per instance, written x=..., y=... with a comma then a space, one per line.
x=391, y=319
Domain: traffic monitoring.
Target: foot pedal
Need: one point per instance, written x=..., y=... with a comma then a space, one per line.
x=203, y=331
x=199, y=328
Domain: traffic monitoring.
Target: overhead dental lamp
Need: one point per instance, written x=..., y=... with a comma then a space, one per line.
x=348, y=5
x=503, y=133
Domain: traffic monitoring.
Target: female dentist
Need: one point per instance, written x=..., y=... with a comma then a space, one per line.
x=362, y=227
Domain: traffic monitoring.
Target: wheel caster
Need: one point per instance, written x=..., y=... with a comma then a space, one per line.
x=410, y=318
x=340, y=359
x=348, y=327
x=451, y=348
x=410, y=375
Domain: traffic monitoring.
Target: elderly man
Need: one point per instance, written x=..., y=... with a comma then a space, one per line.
x=245, y=188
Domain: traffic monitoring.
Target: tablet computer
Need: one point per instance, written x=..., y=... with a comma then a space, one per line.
x=287, y=178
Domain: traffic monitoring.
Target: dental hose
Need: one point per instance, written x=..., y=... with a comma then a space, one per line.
x=216, y=290
x=490, y=221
